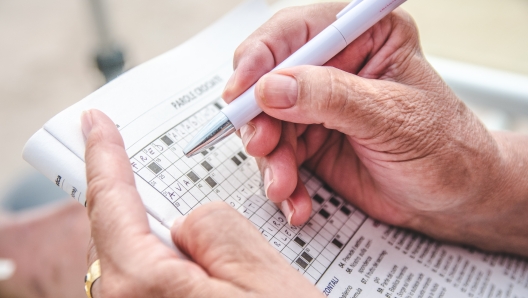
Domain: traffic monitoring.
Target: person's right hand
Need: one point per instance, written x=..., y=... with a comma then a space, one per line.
x=381, y=128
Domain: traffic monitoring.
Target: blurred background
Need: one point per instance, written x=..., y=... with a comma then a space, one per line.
x=48, y=58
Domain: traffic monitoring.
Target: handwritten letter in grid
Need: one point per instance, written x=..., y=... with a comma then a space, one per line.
x=226, y=173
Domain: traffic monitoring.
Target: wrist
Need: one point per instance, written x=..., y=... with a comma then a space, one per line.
x=491, y=210
x=507, y=216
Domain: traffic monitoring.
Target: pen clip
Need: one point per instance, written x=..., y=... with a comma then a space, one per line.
x=348, y=8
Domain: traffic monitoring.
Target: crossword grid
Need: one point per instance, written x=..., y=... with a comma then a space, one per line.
x=226, y=173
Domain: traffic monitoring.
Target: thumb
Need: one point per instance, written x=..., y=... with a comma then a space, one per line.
x=325, y=95
x=229, y=248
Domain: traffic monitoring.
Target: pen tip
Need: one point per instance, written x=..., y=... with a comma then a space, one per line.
x=213, y=132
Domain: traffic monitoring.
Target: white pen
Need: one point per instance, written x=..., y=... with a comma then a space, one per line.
x=356, y=18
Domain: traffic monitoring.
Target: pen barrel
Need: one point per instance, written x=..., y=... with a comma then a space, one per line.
x=325, y=45
x=353, y=21
x=243, y=108
x=317, y=51
x=363, y=16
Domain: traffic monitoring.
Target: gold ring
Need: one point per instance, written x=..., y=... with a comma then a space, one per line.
x=94, y=272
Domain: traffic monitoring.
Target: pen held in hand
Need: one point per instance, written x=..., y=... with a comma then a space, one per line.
x=352, y=21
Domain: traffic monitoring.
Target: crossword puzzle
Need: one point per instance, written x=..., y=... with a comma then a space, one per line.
x=227, y=173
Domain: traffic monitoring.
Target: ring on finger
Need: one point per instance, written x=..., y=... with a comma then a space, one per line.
x=94, y=272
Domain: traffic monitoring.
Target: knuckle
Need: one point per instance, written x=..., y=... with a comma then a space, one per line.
x=253, y=58
x=337, y=100
x=239, y=53
x=405, y=25
x=405, y=19
x=100, y=188
x=285, y=13
x=97, y=187
x=262, y=57
x=325, y=90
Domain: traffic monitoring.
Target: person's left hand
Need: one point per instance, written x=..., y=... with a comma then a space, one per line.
x=229, y=256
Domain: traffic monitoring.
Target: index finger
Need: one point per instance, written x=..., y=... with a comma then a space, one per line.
x=273, y=42
x=116, y=212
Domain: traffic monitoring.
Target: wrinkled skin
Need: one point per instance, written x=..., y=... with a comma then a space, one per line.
x=380, y=127
x=376, y=123
x=135, y=263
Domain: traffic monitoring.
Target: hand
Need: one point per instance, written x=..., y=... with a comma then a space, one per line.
x=229, y=256
x=381, y=128
x=48, y=246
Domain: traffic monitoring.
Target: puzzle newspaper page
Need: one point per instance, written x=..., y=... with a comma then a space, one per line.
x=159, y=105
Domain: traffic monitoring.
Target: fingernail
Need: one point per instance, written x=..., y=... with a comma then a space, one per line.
x=86, y=123
x=287, y=209
x=268, y=179
x=177, y=223
x=278, y=91
x=247, y=131
x=230, y=82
